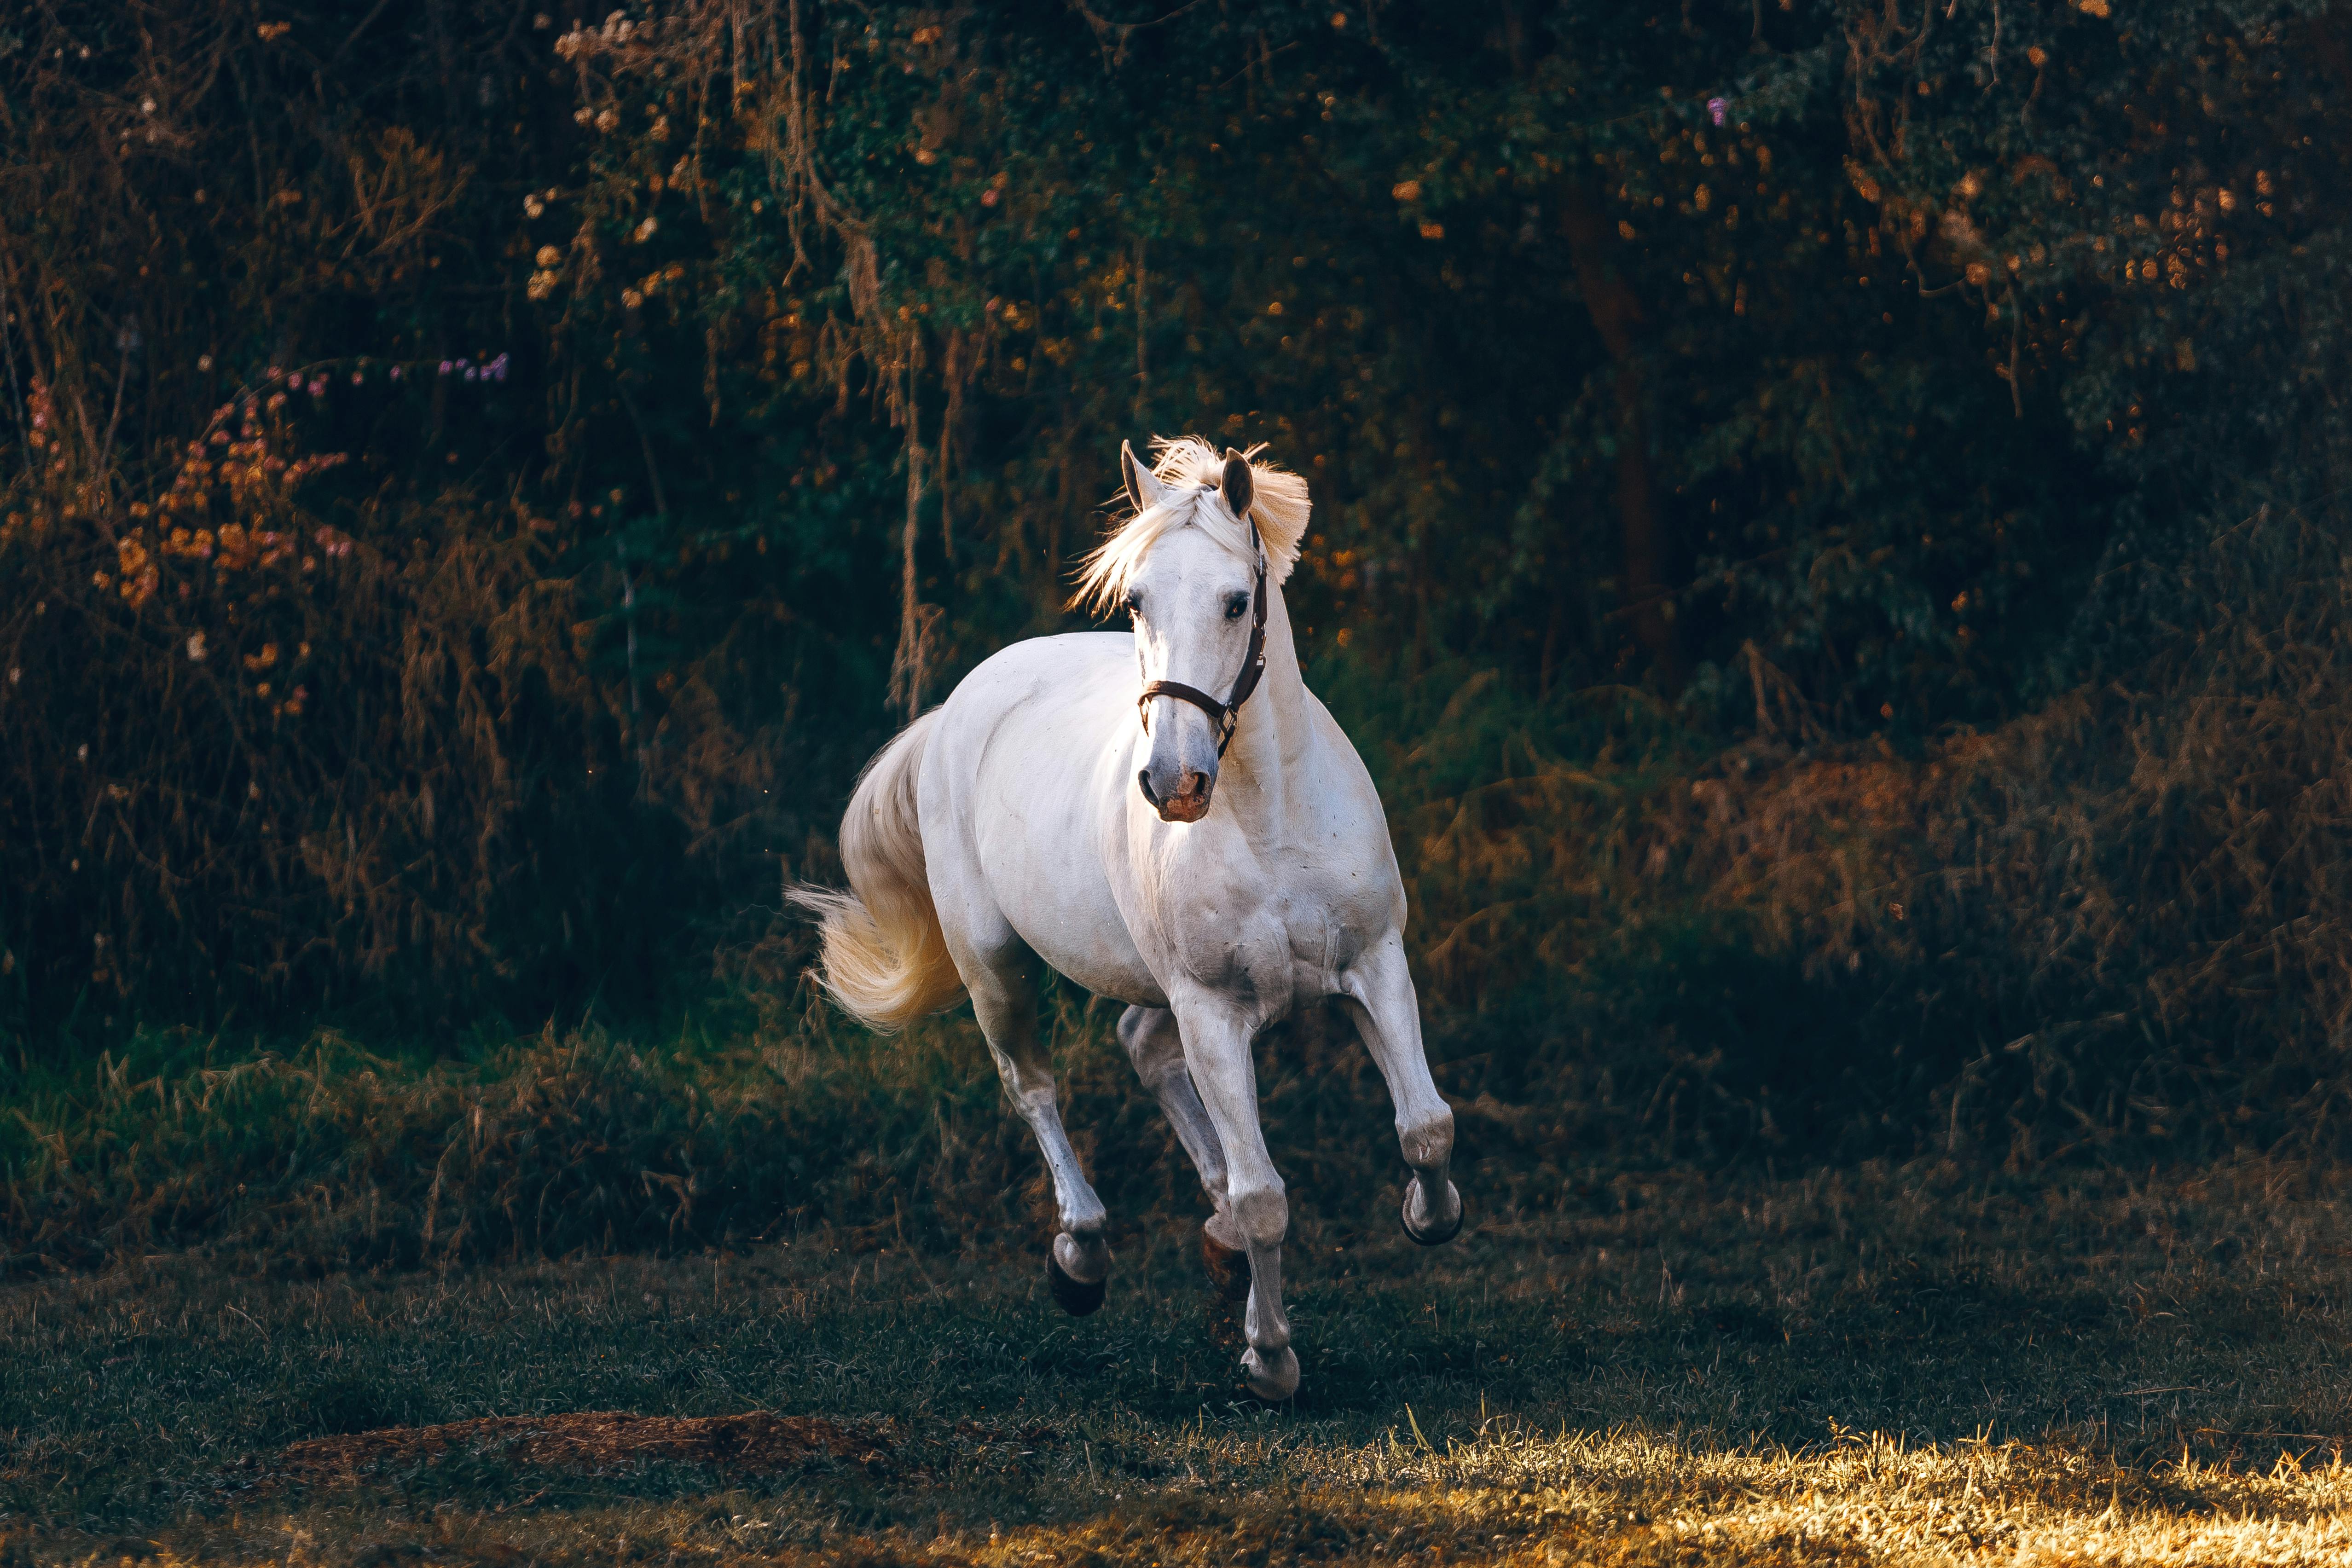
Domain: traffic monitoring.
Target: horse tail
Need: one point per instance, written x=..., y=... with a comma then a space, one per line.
x=883, y=955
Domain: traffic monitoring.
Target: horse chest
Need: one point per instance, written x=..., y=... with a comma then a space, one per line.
x=1278, y=932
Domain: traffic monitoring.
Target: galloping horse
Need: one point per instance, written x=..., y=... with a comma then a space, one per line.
x=1088, y=803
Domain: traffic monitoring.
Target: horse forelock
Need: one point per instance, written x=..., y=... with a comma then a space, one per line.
x=1195, y=469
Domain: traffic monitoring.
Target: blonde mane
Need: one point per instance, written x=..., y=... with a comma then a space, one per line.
x=1278, y=505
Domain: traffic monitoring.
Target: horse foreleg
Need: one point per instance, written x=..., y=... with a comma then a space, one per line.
x=1005, y=998
x=1216, y=1044
x=1378, y=994
x=1157, y=1048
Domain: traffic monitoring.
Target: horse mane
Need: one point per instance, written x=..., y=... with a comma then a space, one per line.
x=1278, y=503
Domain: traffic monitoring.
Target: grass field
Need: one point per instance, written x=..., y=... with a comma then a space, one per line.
x=1882, y=1366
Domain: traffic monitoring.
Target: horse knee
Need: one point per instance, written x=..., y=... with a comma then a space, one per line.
x=1262, y=1213
x=1428, y=1140
x=1152, y=1043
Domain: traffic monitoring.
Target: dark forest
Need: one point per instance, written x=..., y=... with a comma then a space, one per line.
x=1829, y=525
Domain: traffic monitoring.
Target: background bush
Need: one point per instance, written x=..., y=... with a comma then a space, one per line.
x=1828, y=529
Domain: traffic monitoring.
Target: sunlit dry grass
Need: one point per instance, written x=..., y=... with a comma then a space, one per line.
x=1508, y=1497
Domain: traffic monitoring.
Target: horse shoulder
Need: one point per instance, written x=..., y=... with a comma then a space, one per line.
x=1350, y=865
x=1345, y=801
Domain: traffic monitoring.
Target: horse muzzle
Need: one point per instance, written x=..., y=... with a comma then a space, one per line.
x=1187, y=799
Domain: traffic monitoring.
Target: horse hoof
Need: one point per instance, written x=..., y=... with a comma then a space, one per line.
x=1272, y=1379
x=1432, y=1230
x=1076, y=1297
x=1229, y=1270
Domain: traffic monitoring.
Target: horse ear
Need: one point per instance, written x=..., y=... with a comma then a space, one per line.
x=1237, y=483
x=1143, y=487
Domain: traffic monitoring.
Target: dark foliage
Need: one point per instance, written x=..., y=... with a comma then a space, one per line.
x=479, y=485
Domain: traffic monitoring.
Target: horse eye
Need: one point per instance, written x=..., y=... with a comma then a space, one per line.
x=1235, y=606
x=1135, y=604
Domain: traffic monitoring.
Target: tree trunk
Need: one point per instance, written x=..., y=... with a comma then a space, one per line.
x=1644, y=534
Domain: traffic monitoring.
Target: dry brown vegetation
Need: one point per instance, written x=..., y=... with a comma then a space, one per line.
x=2118, y=923
x=302, y=681
x=2140, y=896
x=188, y=732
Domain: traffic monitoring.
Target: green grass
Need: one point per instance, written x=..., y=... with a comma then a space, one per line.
x=1906, y=1364
x=760, y=1116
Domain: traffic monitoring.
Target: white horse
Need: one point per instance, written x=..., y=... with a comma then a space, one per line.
x=1086, y=803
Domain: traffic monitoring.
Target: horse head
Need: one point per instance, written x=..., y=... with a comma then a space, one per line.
x=1192, y=568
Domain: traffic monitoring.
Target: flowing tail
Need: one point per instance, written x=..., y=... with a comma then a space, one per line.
x=883, y=955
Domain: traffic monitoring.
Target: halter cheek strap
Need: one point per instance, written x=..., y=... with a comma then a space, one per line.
x=1224, y=715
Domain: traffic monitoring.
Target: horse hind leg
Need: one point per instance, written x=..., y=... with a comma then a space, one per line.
x=1156, y=1046
x=1004, y=997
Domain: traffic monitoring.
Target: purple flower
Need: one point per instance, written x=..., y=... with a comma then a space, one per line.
x=395, y=372
x=1716, y=107
x=444, y=367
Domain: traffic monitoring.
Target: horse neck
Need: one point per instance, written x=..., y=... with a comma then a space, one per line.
x=1270, y=746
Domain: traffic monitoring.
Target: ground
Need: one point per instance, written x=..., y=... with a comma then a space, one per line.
x=1912, y=1365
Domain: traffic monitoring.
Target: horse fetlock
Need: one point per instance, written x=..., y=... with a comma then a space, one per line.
x=1272, y=1375
x=1083, y=1255
x=1261, y=1215
x=1428, y=1140
x=1082, y=1213
x=1264, y=1323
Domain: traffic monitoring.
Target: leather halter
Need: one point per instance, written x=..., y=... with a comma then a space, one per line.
x=1224, y=715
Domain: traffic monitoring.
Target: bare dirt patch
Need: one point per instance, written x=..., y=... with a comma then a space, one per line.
x=590, y=1441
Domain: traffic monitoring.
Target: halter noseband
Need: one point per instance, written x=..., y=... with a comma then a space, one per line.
x=1224, y=715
